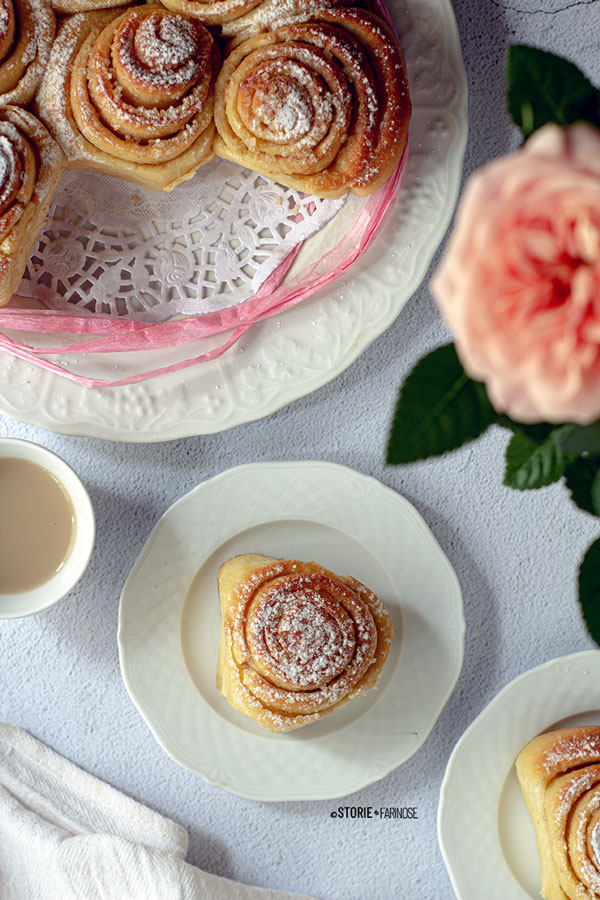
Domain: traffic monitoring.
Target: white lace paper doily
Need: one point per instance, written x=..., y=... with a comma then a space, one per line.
x=112, y=247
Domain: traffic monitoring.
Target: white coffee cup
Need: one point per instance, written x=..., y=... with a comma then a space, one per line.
x=27, y=602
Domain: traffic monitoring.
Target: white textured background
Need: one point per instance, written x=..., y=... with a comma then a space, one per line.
x=516, y=556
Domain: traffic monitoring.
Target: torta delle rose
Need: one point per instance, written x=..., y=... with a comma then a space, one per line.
x=559, y=774
x=311, y=93
x=297, y=641
x=320, y=103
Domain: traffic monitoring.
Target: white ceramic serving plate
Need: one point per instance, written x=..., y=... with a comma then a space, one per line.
x=26, y=603
x=286, y=357
x=169, y=626
x=486, y=835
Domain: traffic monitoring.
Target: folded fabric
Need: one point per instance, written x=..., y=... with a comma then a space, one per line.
x=65, y=835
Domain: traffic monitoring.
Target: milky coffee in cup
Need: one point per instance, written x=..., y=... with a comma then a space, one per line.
x=37, y=525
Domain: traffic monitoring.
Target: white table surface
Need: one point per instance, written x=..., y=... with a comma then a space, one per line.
x=516, y=555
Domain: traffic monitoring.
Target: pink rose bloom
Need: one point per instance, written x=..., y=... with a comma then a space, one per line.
x=519, y=283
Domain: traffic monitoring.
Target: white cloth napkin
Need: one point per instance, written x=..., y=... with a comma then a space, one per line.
x=65, y=835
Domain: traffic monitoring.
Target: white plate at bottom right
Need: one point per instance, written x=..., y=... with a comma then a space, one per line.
x=486, y=835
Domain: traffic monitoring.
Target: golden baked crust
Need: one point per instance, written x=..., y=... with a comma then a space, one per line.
x=119, y=99
x=320, y=105
x=559, y=774
x=32, y=163
x=237, y=17
x=297, y=641
x=66, y=7
x=27, y=29
x=212, y=12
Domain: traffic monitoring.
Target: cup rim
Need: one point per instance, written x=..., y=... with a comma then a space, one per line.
x=26, y=603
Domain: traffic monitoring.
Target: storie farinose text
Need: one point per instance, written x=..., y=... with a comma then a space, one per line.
x=371, y=812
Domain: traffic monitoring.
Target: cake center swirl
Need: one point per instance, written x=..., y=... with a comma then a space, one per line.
x=159, y=56
x=166, y=43
x=284, y=107
x=299, y=636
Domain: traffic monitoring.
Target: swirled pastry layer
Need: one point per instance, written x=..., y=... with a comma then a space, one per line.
x=247, y=17
x=297, y=641
x=559, y=774
x=322, y=105
x=31, y=164
x=27, y=30
x=66, y=7
x=132, y=94
x=212, y=12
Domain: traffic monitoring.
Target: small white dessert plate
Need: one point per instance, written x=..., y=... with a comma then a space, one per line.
x=169, y=626
x=486, y=835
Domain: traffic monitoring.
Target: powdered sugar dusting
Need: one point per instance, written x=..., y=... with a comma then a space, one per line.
x=303, y=641
x=4, y=171
x=162, y=49
x=116, y=133
x=569, y=752
x=576, y=815
x=7, y=24
x=8, y=173
x=284, y=108
x=569, y=782
x=349, y=67
x=24, y=48
x=52, y=99
x=306, y=640
x=273, y=13
x=289, y=101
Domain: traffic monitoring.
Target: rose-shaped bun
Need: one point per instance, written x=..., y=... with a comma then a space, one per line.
x=559, y=774
x=31, y=164
x=519, y=283
x=132, y=94
x=26, y=33
x=322, y=105
x=297, y=641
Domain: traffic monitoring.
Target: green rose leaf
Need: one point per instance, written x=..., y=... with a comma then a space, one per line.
x=583, y=481
x=531, y=463
x=537, y=432
x=542, y=88
x=589, y=590
x=439, y=408
x=583, y=439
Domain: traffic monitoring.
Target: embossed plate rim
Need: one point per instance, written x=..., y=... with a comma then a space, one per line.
x=215, y=396
x=229, y=757
x=489, y=747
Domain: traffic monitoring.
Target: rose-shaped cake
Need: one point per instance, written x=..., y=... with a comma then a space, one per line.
x=559, y=774
x=131, y=93
x=321, y=105
x=519, y=283
x=26, y=33
x=297, y=641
